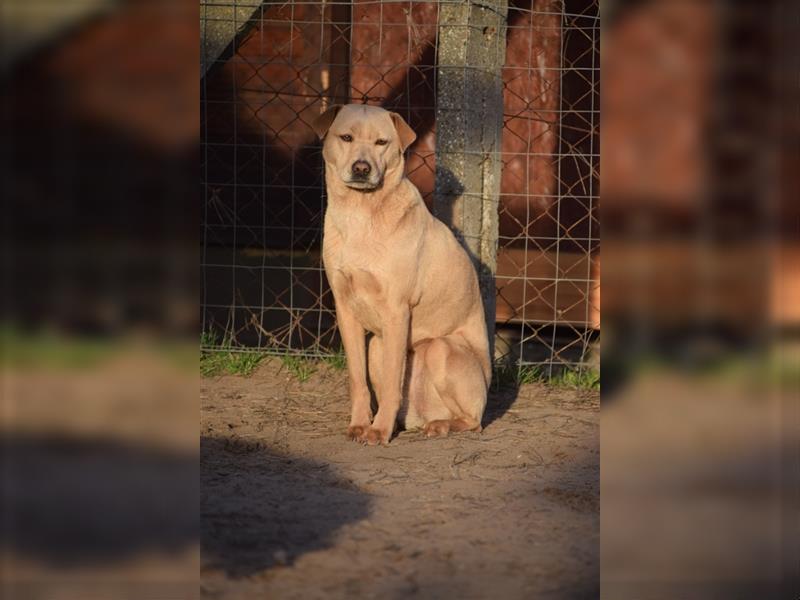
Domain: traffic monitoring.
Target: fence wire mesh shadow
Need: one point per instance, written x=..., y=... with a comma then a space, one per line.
x=269, y=69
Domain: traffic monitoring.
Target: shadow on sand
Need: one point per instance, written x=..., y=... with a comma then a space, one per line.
x=71, y=501
x=261, y=508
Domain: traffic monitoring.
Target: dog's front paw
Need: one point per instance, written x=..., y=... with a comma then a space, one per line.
x=357, y=433
x=374, y=436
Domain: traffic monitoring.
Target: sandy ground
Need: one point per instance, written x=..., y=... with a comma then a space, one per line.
x=291, y=509
x=701, y=497
x=100, y=490
x=99, y=486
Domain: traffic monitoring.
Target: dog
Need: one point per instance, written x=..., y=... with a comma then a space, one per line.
x=400, y=274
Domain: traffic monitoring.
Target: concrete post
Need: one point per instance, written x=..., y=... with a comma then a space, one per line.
x=469, y=124
x=220, y=21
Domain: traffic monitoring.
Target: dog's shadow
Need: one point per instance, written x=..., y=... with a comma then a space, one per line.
x=500, y=399
x=70, y=500
x=261, y=508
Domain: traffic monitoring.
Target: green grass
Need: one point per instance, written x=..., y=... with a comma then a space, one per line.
x=208, y=338
x=216, y=362
x=337, y=362
x=513, y=375
x=300, y=367
x=586, y=379
x=225, y=361
x=777, y=367
x=221, y=362
x=48, y=349
x=531, y=374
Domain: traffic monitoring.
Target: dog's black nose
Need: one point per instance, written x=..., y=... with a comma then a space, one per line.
x=361, y=168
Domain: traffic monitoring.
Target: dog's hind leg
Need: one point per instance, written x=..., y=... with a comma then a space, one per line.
x=455, y=380
x=422, y=403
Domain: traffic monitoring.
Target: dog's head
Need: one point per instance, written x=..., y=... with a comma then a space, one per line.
x=362, y=143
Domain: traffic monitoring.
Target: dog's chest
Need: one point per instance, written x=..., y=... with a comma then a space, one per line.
x=364, y=293
x=359, y=281
x=362, y=268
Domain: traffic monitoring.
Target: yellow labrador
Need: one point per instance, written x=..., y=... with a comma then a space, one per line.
x=398, y=273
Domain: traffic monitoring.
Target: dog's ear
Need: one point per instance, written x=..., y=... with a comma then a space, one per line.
x=404, y=132
x=323, y=122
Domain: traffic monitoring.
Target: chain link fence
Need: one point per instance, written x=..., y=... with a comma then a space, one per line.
x=268, y=69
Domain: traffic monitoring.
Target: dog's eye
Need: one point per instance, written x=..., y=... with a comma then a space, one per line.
x=381, y=142
x=346, y=137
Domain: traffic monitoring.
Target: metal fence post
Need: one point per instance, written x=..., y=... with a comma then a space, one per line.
x=469, y=124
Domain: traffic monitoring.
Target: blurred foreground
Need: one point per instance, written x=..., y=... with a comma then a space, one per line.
x=100, y=478
x=699, y=482
x=99, y=362
x=701, y=313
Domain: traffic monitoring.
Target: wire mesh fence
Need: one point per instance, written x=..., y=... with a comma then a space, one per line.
x=269, y=69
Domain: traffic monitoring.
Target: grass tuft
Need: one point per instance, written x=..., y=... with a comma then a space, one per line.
x=337, y=362
x=38, y=349
x=582, y=379
x=301, y=368
x=208, y=339
x=221, y=362
x=506, y=375
x=225, y=360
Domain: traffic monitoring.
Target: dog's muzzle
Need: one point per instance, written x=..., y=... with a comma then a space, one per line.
x=360, y=179
x=361, y=169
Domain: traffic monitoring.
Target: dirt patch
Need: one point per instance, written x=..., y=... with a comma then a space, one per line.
x=290, y=509
x=100, y=478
